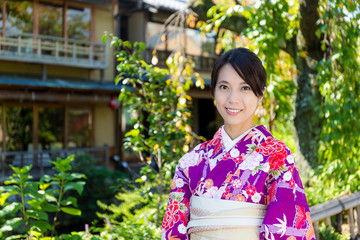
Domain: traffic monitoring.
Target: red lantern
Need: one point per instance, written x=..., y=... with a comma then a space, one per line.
x=114, y=103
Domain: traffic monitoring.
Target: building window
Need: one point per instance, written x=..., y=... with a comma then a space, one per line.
x=51, y=128
x=199, y=47
x=19, y=129
x=79, y=128
x=50, y=20
x=19, y=16
x=18, y=132
x=20, y=19
x=78, y=21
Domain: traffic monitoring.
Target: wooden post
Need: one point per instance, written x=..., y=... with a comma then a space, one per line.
x=339, y=222
x=358, y=219
x=106, y=156
x=3, y=114
x=36, y=133
x=316, y=228
x=351, y=223
x=19, y=45
x=328, y=222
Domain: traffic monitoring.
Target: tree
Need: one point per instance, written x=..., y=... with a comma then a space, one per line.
x=306, y=30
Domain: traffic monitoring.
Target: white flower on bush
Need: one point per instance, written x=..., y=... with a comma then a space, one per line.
x=182, y=229
x=287, y=176
x=188, y=160
x=234, y=153
x=252, y=161
x=256, y=197
x=179, y=183
x=290, y=159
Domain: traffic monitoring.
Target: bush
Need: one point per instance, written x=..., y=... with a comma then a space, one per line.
x=40, y=202
x=101, y=185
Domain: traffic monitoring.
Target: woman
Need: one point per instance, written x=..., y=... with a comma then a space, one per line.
x=242, y=184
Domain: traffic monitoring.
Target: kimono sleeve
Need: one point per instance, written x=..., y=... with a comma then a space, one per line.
x=288, y=215
x=176, y=217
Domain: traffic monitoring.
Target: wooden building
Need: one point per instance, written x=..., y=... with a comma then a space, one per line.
x=57, y=86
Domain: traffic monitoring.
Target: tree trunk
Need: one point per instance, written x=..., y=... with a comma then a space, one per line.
x=308, y=122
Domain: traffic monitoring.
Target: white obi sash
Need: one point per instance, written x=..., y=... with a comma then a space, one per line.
x=224, y=219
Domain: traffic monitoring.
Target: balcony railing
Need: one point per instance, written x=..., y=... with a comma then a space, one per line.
x=347, y=206
x=40, y=160
x=26, y=47
x=202, y=63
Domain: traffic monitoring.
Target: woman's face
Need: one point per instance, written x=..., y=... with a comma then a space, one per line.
x=235, y=101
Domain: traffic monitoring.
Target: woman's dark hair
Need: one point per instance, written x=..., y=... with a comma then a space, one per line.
x=246, y=64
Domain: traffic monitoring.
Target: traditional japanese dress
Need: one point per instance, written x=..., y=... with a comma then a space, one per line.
x=248, y=188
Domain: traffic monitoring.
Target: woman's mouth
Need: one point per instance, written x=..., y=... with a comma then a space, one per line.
x=232, y=111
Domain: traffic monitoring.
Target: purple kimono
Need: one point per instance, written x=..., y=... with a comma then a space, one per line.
x=258, y=169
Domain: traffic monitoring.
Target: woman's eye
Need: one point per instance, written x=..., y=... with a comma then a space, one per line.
x=246, y=88
x=223, y=87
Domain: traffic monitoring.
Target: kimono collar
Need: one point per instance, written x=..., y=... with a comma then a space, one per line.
x=228, y=143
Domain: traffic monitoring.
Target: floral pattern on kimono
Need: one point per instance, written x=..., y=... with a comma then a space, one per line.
x=258, y=169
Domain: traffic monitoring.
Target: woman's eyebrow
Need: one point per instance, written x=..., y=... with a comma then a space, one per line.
x=222, y=81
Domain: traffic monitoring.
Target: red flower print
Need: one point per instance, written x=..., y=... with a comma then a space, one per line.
x=227, y=190
x=184, y=217
x=186, y=202
x=300, y=216
x=238, y=159
x=272, y=192
x=171, y=216
x=250, y=190
x=270, y=146
x=226, y=156
x=277, y=160
x=292, y=183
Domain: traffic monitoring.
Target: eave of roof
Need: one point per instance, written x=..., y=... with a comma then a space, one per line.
x=171, y=5
x=59, y=84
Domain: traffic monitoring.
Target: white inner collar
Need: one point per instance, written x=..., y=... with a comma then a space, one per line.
x=228, y=143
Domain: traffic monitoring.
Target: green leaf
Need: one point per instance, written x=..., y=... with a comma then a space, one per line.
x=10, y=224
x=10, y=209
x=78, y=186
x=49, y=207
x=104, y=38
x=127, y=44
x=41, y=226
x=37, y=214
x=71, y=211
x=69, y=201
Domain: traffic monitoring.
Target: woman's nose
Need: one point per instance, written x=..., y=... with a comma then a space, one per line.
x=233, y=97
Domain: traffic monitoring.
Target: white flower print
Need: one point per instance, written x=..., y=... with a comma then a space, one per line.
x=265, y=167
x=290, y=159
x=188, y=160
x=281, y=225
x=234, y=153
x=182, y=229
x=287, y=176
x=179, y=182
x=245, y=194
x=219, y=192
x=256, y=197
x=211, y=192
x=252, y=161
x=237, y=183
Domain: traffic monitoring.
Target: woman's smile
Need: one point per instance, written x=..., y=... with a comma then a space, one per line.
x=232, y=111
